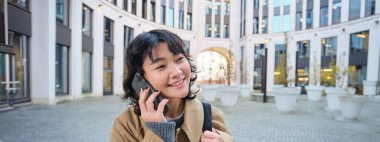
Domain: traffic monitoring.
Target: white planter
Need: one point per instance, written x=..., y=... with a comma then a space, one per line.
x=229, y=95
x=209, y=92
x=245, y=90
x=333, y=94
x=286, y=98
x=314, y=93
x=352, y=106
x=286, y=102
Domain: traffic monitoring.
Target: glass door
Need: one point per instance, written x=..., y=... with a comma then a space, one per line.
x=107, y=75
x=3, y=79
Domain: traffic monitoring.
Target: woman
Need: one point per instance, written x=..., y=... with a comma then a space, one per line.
x=159, y=57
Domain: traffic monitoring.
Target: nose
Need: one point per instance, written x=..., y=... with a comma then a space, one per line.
x=175, y=71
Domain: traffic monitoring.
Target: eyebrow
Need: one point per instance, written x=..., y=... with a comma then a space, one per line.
x=157, y=60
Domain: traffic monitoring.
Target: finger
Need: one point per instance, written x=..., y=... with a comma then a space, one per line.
x=205, y=139
x=142, y=100
x=150, y=100
x=162, y=104
x=210, y=134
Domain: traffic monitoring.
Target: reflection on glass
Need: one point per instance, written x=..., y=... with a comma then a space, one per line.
x=336, y=12
x=86, y=20
x=108, y=30
x=171, y=17
x=354, y=9
x=286, y=22
x=61, y=69
x=62, y=14
x=86, y=72
x=107, y=75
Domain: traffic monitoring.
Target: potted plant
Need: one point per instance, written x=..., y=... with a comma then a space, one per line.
x=337, y=77
x=208, y=92
x=314, y=91
x=285, y=97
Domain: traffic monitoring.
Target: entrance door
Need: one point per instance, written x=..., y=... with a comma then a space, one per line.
x=14, y=71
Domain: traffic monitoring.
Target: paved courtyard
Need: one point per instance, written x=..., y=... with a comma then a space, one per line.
x=90, y=119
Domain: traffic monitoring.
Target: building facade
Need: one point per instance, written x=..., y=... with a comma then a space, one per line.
x=53, y=50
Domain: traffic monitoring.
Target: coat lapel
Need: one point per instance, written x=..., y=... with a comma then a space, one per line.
x=193, y=121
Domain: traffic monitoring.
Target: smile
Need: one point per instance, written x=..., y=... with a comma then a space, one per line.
x=177, y=83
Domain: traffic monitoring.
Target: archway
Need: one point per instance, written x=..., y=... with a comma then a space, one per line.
x=216, y=65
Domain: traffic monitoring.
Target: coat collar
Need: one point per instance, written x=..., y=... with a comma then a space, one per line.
x=193, y=119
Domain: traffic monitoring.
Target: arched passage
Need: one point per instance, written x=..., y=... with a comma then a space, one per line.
x=216, y=66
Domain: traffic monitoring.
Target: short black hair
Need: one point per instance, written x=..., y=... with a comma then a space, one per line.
x=143, y=46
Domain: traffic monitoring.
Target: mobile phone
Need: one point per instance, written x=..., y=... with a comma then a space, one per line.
x=139, y=82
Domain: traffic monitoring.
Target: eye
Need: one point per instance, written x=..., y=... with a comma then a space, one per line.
x=180, y=59
x=160, y=67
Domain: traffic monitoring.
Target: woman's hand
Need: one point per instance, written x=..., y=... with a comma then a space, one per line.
x=148, y=113
x=211, y=136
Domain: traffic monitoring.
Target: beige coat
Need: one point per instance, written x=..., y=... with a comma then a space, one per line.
x=128, y=127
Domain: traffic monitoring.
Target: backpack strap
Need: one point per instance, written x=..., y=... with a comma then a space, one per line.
x=207, y=122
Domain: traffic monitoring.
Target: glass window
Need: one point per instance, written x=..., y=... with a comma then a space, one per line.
x=189, y=2
x=107, y=75
x=255, y=25
x=86, y=72
x=208, y=30
x=218, y=8
x=208, y=7
x=280, y=64
x=153, y=11
x=144, y=9
x=187, y=46
x=86, y=20
x=112, y=1
x=163, y=14
x=62, y=12
x=226, y=6
x=370, y=7
x=226, y=31
x=298, y=21
x=329, y=46
x=22, y=3
x=256, y=4
x=323, y=18
x=259, y=50
x=309, y=19
x=189, y=21
x=336, y=12
x=276, y=24
x=181, y=19
x=217, y=30
x=171, y=17
x=128, y=35
x=61, y=69
x=276, y=3
x=354, y=9
x=303, y=48
x=359, y=42
x=108, y=30
x=125, y=5
x=264, y=25
x=286, y=22
x=286, y=2
x=134, y=7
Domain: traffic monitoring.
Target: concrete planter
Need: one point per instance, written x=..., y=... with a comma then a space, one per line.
x=351, y=106
x=314, y=93
x=286, y=98
x=245, y=90
x=333, y=94
x=209, y=92
x=229, y=95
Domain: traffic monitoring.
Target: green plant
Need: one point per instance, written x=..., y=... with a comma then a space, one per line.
x=281, y=76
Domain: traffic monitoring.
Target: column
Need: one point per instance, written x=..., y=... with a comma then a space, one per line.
x=362, y=8
x=345, y=11
x=248, y=17
x=260, y=16
x=42, y=51
x=270, y=63
x=75, y=82
x=377, y=7
x=343, y=53
x=118, y=64
x=315, y=59
x=304, y=10
x=316, y=13
x=373, y=61
x=139, y=8
x=98, y=53
x=158, y=14
x=270, y=16
x=293, y=6
x=329, y=19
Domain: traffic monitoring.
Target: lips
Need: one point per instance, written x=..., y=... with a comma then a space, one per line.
x=177, y=83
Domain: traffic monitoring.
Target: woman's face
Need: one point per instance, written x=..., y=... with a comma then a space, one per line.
x=168, y=73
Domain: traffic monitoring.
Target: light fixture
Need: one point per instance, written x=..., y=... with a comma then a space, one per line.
x=84, y=8
x=361, y=35
x=343, y=29
x=100, y=5
x=120, y=16
x=377, y=22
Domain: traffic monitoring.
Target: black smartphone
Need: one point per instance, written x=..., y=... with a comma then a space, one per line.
x=139, y=82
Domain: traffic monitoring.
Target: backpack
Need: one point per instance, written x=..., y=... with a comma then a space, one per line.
x=207, y=121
